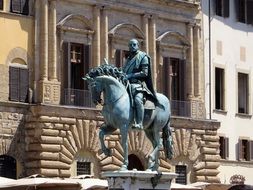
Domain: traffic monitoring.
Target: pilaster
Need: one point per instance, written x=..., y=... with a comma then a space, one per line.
x=104, y=34
x=96, y=41
x=152, y=46
x=190, y=64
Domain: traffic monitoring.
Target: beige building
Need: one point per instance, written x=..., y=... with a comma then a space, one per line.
x=229, y=61
x=48, y=123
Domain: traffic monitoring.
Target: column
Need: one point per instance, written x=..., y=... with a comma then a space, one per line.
x=152, y=47
x=197, y=65
x=104, y=35
x=190, y=62
x=145, y=30
x=52, y=41
x=96, y=41
x=44, y=41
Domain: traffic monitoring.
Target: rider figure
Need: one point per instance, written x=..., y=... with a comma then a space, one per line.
x=138, y=70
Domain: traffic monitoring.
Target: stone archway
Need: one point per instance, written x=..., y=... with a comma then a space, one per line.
x=135, y=163
x=8, y=167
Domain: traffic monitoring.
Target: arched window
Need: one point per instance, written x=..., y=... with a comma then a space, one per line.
x=18, y=81
x=134, y=163
x=7, y=167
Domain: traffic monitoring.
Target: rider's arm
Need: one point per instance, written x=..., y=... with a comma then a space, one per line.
x=143, y=70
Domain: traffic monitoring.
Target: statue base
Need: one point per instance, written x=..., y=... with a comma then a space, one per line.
x=138, y=180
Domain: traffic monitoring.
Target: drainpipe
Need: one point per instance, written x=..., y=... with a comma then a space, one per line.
x=209, y=59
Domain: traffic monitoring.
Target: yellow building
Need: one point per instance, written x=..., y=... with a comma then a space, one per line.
x=48, y=123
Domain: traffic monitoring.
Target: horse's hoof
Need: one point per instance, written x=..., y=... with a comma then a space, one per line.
x=123, y=168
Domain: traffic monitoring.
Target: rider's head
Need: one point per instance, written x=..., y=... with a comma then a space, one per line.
x=133, y=45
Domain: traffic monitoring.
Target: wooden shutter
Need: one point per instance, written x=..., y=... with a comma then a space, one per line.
x=1, y=4
x=226, y=8
x=182, y=82
x=16, y=6
x=13, y=84
x=25, y=7
x=66, y=58
x=23, y=85
x=249, y=12
x=226, y=143
x=87, y=62
x=248, y=156
x=251, y=150
x=240, y=152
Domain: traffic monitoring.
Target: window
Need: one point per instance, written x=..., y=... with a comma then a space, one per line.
x=174, y=75
x=1, y=5
x=20, y=6
x=243, y=93
x=222, y=8
x=83, y=168
x=174, y=71
x=219, y=89
x=18, y=84
x=7, y=167
x=245, y=150
x=76, y=64
x=244, y=11
x=182, y=177
x=120, y=57
x=134, y=163
x=224, y=147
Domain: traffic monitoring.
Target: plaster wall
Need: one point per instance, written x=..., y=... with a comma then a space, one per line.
x=232, y=35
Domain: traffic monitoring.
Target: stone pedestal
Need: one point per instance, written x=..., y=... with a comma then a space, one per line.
x=138, y=180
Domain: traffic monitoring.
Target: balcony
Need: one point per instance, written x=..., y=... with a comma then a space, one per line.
x=82, y=98
x=193, y=109
x=76, y=97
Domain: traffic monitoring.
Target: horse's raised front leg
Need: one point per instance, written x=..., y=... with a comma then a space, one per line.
x=124, y=143
x=105, y=130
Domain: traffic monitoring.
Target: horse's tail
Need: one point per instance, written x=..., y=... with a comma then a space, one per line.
x=167, y=140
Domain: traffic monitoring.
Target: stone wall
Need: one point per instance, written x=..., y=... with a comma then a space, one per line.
x=55, y=135
x=12, y=122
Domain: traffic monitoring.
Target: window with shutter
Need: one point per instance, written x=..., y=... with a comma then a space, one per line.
x=1, y=4
x=24, y=81
x=241, y=7
x=18, y=84
x=20, y=6
x=240, y=152
x=13, y=84
x=226, y=8
x=224, y=147
x=16, y=6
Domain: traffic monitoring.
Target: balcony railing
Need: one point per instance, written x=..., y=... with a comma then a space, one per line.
x=82, y=98
x=76, y=97
x=193, y=109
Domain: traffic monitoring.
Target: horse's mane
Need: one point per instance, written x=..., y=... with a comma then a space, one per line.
x=108, y=70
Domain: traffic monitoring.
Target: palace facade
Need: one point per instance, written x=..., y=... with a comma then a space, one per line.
x=48, y=124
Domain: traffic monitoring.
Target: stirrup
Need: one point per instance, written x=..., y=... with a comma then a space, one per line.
x=137, y=126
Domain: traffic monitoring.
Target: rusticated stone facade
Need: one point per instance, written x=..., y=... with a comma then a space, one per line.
x=55, y=135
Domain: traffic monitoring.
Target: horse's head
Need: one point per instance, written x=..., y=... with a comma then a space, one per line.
x=95, y=88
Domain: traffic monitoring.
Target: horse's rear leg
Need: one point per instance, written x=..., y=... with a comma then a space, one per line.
x=105, y=130
x=124, y=143
x=155, y=139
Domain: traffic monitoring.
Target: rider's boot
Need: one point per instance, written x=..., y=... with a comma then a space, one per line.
x=139, y=107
